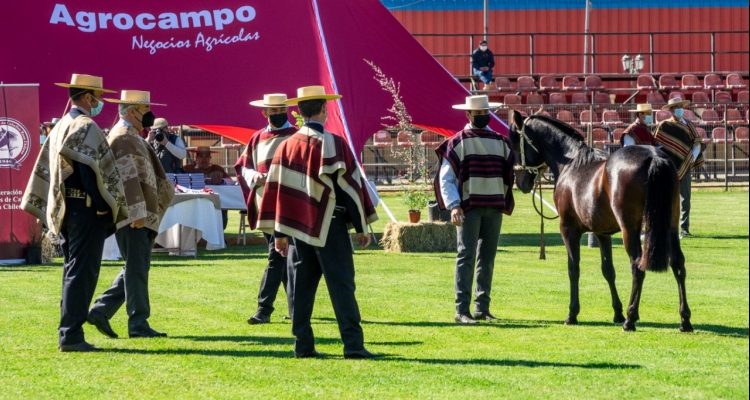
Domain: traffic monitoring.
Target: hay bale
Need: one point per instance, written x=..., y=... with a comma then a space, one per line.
x=423, y=237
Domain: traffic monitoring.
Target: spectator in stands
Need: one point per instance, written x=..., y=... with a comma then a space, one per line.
x=168, y=147
x=482, y=62
x=638, y=132
x=215, y=174
x=680, y=140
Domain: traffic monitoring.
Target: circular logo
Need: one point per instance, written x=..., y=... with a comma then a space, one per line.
x=15, y=143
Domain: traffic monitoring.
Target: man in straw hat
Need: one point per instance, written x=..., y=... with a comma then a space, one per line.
x=76, y=192
x=680, y=140
x=483, y=160
x=148, y=194
x=638, y=133
x=314, y=193
x=252, y=169
x=214, y=174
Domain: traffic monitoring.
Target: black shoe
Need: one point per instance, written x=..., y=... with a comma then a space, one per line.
x=359, y=355
x=146, y=333
x=685, y=234
x=101, y=323
x=259, y=318
x=82, y=347
x=465, y=319
x=484, y=316
x=312, y=354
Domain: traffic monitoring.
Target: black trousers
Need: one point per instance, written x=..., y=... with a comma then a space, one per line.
x=83, y=234
x=306, y=264
x=131, y=285
x=274, y=276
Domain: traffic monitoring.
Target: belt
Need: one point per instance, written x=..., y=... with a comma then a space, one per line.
x=71, y=193
x=340, y=209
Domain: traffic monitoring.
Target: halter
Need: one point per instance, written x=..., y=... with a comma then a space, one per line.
x=523, y=167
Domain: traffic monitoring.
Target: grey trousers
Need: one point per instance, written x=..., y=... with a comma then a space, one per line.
x=274, y=276
x=685, y=184
x=477, y=245
x=131, y=285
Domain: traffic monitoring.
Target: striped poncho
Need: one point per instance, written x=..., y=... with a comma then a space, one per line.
x=258, y=156
x=482, y=160
x=299, y=196
x=678, y=140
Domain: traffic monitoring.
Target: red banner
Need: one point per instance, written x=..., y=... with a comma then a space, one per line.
x=19, y=148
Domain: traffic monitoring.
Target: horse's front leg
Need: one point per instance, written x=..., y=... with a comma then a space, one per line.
x=608, y=270
x=677, y=263
x=572, y=239
x=631, y=239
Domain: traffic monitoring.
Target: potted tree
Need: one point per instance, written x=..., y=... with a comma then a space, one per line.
x=416, y=200
x=33, y=253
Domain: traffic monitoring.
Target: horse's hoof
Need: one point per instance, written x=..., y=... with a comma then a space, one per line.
x=619, y=319
x=686, y=327
x=571, y=321
x=628, y=326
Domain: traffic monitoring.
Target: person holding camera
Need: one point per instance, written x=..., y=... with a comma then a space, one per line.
x=168, y=147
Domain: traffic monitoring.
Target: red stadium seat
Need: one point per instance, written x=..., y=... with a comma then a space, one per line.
x=557, y=98
x=676, y=94
x=579, y=98
x=655, y=99
x=723, y=97
x=526, y=84
x=534, y=98
x=617, y=134
x=503, y=84
x=511, y=100
x=742, y=134
x=593, y=82
x=734, y=117
x=571, y=83
x=689, y=116
x=720, y=135
x=567, y=117
x=405, y=139
x=703, y=135
x=735, y=81
x=382, y=139
x=713, y=82
x=600, y=137
x=430, y=139
x=602, y=98
x=743, y=97
x=701, y=100
x=662, y=115
x=690, y=82
x=548, y=83
x=646, y=82
x=611, y=118
x=589, y=118
x=710, y=117
x=668, y=82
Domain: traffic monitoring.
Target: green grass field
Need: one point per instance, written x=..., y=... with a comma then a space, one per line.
x=406, y=302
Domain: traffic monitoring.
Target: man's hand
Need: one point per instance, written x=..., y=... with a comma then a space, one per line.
x=163, y=142
x=364, y=240
x=457, y=216
x=282, y=246
x=259, y=179
x=151, y=136
x=485, y=69
x=138, y=224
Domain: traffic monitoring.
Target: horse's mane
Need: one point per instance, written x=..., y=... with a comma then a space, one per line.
x=571, y=139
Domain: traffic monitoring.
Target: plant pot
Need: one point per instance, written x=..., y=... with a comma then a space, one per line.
x=33, y=255
x=414, y=216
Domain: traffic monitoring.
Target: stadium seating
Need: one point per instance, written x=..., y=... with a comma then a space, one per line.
x=571, y=83
x=557, y=98
x=512, y=100
x=655, y=99
x=676, y=94
x=646, y=82
x=579, y=98
x=617, y=134
x=662, y=115
x=735, y=81
x=600, y=137
x=526, y=84
x=382, y=139
x=589, y=118
x=567, y=117
x=534, y=98
x=701, y=100
x=743, y=96
x=548, y=83
x=734, y=117
x=742, y=134
x=689, y=116
x=593, y=82
x=703, y=135
x=602, y=98
x=668, y=82
x=430, y=139
x=611, y=118
x=720, y=135
x=503, y=84
x=405, y=139
x=710, y=117
x=690, y=82
x=713, y=82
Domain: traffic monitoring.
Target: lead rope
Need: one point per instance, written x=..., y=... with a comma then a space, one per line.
x=540, y=211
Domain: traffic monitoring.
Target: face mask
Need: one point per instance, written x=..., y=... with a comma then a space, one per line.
x=148, y=119
x=679, y=112
x=278, y=120
x=98, y=109
x=648, y=119
x=481, y=121
x=483, y=48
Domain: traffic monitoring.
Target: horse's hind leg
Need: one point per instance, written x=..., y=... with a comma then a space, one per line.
x=677, y=263
x=608, y=270
x=572, y=239
x=631, y=239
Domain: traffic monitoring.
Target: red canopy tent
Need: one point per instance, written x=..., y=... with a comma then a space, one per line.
x=207, y=60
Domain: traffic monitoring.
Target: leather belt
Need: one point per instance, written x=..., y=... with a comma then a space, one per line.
x=71, y=193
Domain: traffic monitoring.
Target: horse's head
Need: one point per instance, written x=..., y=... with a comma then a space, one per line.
x=528, y=162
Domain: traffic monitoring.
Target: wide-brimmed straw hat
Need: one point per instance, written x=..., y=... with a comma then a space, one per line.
x=311, y=93
x=89, y=82
x=480, y=102
x=202, y=149
x=643, y=108
x=135, y=97
x=675, y=103
x=270, y=100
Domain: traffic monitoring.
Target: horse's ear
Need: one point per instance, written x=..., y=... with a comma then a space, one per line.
x=517, y=119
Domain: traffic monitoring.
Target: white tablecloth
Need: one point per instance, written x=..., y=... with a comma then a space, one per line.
x=198, y=218
x=230, y=195
x=111, y=250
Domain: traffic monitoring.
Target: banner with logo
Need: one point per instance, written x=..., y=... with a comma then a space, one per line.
x=19, y=148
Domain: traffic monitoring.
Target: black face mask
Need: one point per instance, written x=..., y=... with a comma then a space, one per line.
x=481, y=121
x=278, y=120
x=147, y=119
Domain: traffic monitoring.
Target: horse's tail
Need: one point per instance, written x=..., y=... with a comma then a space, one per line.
x=657, y=215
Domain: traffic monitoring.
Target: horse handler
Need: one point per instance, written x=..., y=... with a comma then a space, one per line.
x=476, y=183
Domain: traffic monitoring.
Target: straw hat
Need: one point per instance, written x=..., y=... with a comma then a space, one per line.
x=270, y=100
x=202, y=149
x=675, y=103
x=52, y=123
x=135, y=97
x=159, y=123
x=90, y=82
x=481, y=102
x=311, y=93
x=643, y=108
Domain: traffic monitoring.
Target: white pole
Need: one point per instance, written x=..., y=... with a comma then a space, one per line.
x=486, y=18
x=586, y=39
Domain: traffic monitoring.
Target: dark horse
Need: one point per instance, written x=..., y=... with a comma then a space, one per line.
x=635, y=188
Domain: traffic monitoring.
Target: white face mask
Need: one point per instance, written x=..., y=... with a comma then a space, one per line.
x=483, y=48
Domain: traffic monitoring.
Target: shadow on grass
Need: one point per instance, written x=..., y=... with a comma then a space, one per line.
x=519, y=363
x=44, y=268
x=719, y=237
x=718, y=330
x=532, y=239
x=501, y=324
x=198, y=352
x=287, y=341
